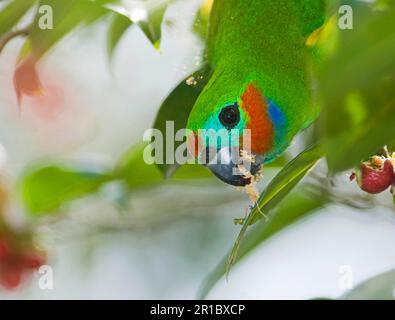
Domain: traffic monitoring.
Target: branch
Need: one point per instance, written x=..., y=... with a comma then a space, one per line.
x=11, y=35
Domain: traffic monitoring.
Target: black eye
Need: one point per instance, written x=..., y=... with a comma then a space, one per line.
x=230, y=116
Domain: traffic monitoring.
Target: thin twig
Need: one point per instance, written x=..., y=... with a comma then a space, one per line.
x=11, y=35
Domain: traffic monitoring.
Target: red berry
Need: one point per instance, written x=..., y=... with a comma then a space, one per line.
x=376, y=180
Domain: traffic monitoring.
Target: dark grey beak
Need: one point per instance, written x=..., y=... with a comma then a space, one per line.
x=224, y=164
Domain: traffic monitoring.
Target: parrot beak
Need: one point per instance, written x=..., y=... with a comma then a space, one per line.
x=224, y=164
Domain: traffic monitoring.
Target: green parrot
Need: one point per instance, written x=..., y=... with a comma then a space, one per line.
x=261, y=81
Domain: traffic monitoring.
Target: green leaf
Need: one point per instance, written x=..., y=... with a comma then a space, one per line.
x=147, y=15
x=67, y=16
x=281, y=185
x=46, y=189
x=134, y=170
x=12, y=13
x=97, y=11
x=380, y=287
x=202, y=18
x=384, y=4
x=357, y=90
x=294, y=208
x=192, y=172
x=177, y=107
x=279, y=162
x=60, y=17
x=119, y=25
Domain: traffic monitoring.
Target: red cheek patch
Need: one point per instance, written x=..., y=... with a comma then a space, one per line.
x=259, y=122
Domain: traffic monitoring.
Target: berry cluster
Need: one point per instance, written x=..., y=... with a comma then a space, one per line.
x=376, y=175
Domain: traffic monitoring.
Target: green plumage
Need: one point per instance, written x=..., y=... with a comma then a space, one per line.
x=261, y=42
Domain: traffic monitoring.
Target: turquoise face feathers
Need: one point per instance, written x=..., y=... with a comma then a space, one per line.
x=261, y=82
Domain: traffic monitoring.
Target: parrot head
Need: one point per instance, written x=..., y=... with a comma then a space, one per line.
x=230, y=117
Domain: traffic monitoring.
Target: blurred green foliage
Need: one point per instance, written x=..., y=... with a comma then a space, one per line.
x=135, y=172
x=202, y=19
x=285, y=181
x=69, y=15
x=119, y=25
x=12, y=13
x=152, y=26
x=46, y=189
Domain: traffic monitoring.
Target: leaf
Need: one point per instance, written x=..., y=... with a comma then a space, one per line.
x=357, y=89
x=192, y=172
x=201, y=23
x=286, y=180
x=279, y=162
x=119, y=25
x=26, y=80
x=380, y=287
x=46, y=189
x=67, y=16
x=384, y=4
x=97, y=11
x=134, y=170
x=294, y=208
x=177, y=107
x=152, y=27
x=12, y=13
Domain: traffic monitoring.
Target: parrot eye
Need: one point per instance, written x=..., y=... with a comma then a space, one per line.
x=230, y=116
